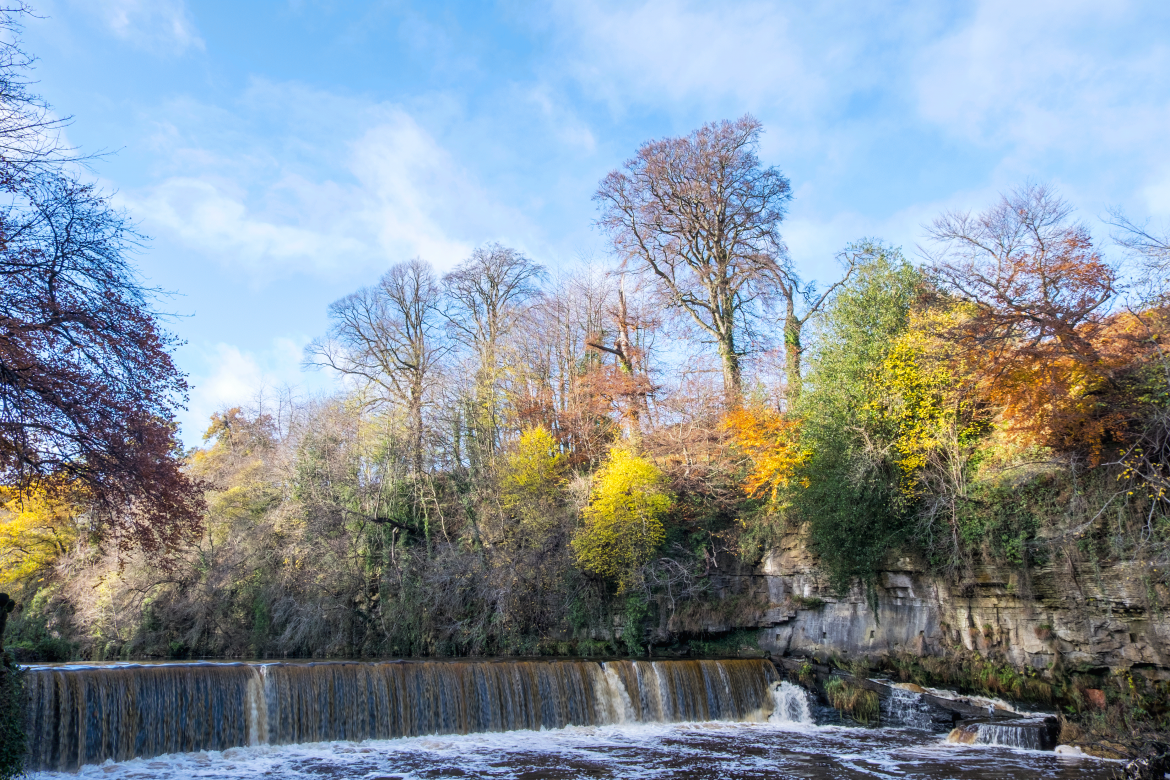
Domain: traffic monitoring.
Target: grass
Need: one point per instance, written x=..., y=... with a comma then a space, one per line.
x=849, y=698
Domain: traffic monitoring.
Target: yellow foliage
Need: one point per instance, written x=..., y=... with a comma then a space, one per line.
x=532, y=475
x=534, y=470
x=34, y=530
x=927, y=395
x=623, y=520
x=772, y=441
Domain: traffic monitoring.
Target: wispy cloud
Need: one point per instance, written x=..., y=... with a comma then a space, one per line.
x=1048, y=75
x=670, y=50
x=159, y=26
x=226, y=376
x=383, y=189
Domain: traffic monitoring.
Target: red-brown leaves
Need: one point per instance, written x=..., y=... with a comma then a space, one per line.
x=88, y=389
x=1045, y=345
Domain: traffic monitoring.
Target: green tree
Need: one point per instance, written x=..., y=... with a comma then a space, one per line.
x=850, y=479
x=623, y=520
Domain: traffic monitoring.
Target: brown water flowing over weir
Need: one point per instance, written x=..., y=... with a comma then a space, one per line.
x=87, y=714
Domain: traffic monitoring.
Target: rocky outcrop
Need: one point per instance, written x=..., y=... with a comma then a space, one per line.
x=1103, y=616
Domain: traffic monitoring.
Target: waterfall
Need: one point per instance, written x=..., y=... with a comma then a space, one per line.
x=82, y=715
x=1023, y=734
x=790, y=704
x=907, y=708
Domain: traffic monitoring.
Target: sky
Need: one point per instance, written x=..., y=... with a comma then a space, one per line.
x=280, y=154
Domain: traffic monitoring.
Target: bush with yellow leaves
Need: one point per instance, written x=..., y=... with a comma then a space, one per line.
x=623, y=520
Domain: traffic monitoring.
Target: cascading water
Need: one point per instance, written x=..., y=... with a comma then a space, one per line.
x=1027, y=735
x=907, y=708
x=82, y=715
x=790, y=704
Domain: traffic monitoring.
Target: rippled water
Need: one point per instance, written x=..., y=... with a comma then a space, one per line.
x=691, y=751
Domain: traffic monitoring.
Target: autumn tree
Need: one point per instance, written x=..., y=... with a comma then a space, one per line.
x=630, y=379
x=388, y=337
x=35, y=530
x=553, y=382
x=88, y=388
x=771, y=442
x=1041, y=297
x=483, y=298
x=700, y=215
x=623, y=520
x=530, y=482
x=1146, y=457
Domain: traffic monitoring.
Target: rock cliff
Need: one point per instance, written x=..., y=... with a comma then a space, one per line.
x=1099, y=616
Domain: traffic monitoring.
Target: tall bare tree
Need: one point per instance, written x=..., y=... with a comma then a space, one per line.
x=631, y=328
x=389, y=337
x=1151, y=250
x=484, y=294
x=701, y=215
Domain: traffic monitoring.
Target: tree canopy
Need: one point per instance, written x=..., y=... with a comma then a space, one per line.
x=88, y=387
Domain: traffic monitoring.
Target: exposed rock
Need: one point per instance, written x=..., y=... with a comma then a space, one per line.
x=964, y=735
x=1100, y=619
x=1150, y=767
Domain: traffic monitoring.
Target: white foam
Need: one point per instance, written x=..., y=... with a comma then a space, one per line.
x=790, y=705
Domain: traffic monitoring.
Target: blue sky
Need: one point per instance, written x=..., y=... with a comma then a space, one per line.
x=282, y=153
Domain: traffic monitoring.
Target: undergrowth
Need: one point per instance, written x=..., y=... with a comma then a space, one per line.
x=849, y=698
x=13, y=742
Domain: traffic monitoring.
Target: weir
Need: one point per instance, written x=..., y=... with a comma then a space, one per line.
x=88, y=714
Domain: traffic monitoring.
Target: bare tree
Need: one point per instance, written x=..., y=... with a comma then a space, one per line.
x=631, y=329
x=1031, y=273
x=484, y=294
x=701, y=215
x=1152, y=251
x=389, y=337
x=796, y=316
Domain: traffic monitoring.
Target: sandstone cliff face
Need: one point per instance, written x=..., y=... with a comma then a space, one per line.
x=1100, y=616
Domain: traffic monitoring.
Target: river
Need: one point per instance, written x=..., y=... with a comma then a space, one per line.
x=503, y=720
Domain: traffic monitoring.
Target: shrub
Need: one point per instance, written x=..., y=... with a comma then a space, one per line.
x=849, y=698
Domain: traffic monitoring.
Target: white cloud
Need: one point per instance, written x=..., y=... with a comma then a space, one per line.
x=160, y=26
x=674, y=50
x=212, y=218
x=566, y=125
x=1043, y=75
x=417, y=199
x=235, y=377
x=395, y=193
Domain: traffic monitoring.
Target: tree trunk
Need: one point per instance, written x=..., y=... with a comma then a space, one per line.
x=732, y=374
x=416, y=424
x=792, y=351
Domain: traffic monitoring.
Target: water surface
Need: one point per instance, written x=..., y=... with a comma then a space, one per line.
x=692, y=751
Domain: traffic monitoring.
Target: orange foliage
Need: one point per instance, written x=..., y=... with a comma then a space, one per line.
x=1043, y=335
x=772, y=441
x=1068, y=403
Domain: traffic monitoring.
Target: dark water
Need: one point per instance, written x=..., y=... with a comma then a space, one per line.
x=652, y=752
